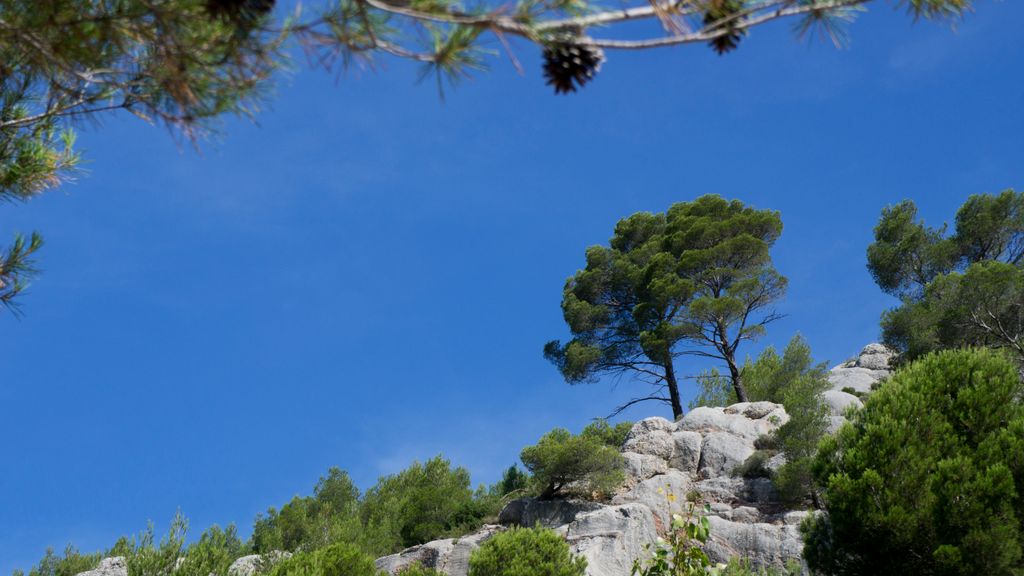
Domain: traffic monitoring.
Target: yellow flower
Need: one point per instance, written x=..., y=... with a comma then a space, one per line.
x=661, y=491
x=671, y=497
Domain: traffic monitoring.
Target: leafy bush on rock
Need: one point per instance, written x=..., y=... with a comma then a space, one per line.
x=583, y=465
x=526, y=552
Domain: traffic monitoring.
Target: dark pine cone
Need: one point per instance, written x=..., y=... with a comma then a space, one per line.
x=718, y=10
x=241, y=12
x=568, y=65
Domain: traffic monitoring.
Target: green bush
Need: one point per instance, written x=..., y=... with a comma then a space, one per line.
x=70, y=564
x=525, y=552
x=613, y=436
x=796, y=382
x=418, y=569
x=563, y=464
x=928, y=478
x=330, y=515
x=341, y=559
x=419, y=504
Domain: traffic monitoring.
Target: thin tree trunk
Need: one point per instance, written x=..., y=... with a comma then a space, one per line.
x=673, y=390
x=737, y=378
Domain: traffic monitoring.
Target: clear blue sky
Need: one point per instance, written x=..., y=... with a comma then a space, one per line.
x=367, y=277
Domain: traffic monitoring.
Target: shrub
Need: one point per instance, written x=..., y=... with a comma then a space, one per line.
x=341, y=559
x=565, y=464
x=928, y=478
x=613, y=436
x=419, y=504
x=418, y=569
x=329, y=515
x=70, y=564
x=525, y=552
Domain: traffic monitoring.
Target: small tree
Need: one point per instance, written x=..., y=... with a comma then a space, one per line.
x=959, y=289
x=928, y=478
x=583, y=464
x=525, y=552
x=341, y=559
x=423, y=502
x=695, y=280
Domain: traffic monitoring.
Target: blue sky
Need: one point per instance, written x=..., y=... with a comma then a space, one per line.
x=367, y=275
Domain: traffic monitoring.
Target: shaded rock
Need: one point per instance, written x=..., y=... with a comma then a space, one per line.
x=876, y=357
x=549, y=513
x=838, y=401
x=858, y=379
x=651, y=436
x=662, y=494
x=734, y=420
x=611, y=538
x=643, y=466
x=722, y=452
x=686, y=453
x=761, y=543
x=450, y=555
x=256, y=563
x=113, y=566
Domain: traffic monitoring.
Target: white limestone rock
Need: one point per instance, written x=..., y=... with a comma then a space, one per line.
x=838, y=402
x=640, y=467
x=722, y=452
x=749, y=420
x=611, y=538
x=651, y=436
x=876, y=357
x=762, y=543
x=113, y=566
x=661, y=494
x=450, y=555
x=686, y=454
x=256, y=563
x=856, y=378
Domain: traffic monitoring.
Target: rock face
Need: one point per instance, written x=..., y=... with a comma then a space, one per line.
x=253, y=563
x=695, y=457
x=450, y=555
x=115, y=566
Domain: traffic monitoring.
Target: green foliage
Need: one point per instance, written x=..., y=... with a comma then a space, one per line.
x=421, y=503
x=959, y=289
x=341, y=559
x=512, y=481
x=418, y=569
x=70, y=564
x=583, y=465
x=713, y=389
x=612, y=436
x=525, y=552
x=796, y=382
x=928, y=478
x=17, y=267
x=331, y=514
x=698, y=275
x=742, y=567
x=213, y=553
x=680, y=552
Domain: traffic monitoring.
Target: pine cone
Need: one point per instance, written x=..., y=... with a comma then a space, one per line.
x=719, y=10
x=243, y=13
x=568, y=65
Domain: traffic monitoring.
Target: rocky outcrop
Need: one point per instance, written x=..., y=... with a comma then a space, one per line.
x=450, y=555
x=256, y=563
x=115, y=566
x=667, y=463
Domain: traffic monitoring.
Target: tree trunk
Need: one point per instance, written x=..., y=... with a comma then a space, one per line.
x=737, y=378
x=673, y=390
